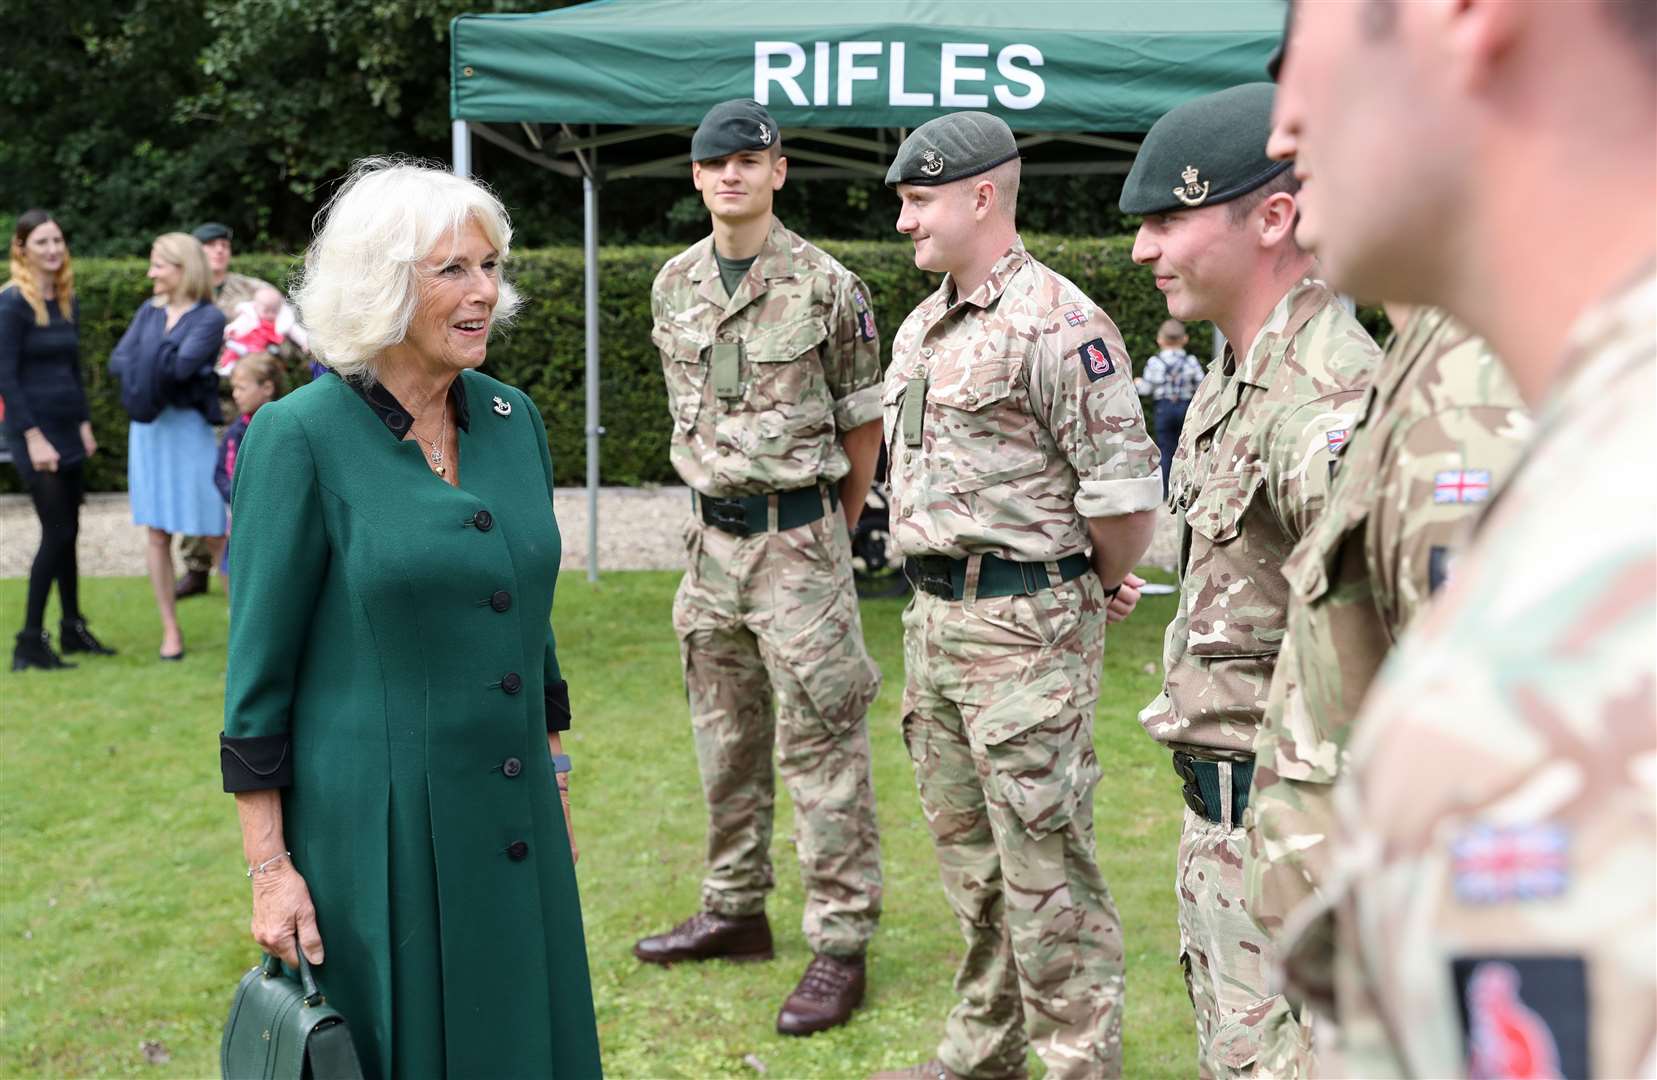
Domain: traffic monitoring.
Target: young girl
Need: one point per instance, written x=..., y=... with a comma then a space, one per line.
x=257, y=381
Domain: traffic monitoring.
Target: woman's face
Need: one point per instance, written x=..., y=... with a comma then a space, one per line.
x=164, y=276
x=45, y=250
x=459, y=285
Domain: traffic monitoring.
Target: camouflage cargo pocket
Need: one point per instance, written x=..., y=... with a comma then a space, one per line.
x=991, y=438
x=782, y=364
x=1237, y=606
x=686, y=373
x=1040, y=752
x=833, y=678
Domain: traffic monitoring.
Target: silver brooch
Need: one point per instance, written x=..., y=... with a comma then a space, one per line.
x=504, y=408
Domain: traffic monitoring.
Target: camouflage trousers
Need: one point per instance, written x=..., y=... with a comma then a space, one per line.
x=998, y=719
x=1225, y=956
x=1288, y=862
x=775, y=664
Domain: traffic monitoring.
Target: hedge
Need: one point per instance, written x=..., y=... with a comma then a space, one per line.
x=544, y=353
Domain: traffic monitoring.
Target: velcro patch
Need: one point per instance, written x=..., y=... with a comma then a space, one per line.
x=866, y=326
x=1096, y=359
x=1075, y=318
x=1461, y=486
x=1337, y=439
x=1523, y=1016
x=857, y=298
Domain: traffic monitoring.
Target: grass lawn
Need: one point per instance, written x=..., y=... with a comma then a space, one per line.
x=123, y=906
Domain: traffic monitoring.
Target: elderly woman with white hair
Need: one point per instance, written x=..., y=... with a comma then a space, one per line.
x=393, y=704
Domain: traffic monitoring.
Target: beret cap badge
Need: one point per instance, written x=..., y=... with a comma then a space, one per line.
x=932, y=162
x=1191, y=193
x=765, y=135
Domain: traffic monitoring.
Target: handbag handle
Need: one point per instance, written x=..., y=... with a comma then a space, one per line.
x=273, y=969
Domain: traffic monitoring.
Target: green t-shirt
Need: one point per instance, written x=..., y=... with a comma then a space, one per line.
x=732, y=271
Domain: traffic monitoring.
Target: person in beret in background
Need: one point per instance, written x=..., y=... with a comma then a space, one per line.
x=1024, y=485
x=394, y=705
x=1248, y=481
x=772, y=364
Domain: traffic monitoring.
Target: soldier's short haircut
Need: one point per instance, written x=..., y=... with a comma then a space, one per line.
x=1238, y=209
x=1005, y=176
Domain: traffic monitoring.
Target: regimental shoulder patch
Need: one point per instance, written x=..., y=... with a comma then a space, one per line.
x=1337, y=439
x=1461, y=486
x=1095, y=357
x=866, y=325
x=1500, y=864
x=1438, y=567
x=1075, y=317
x=1523, y=1016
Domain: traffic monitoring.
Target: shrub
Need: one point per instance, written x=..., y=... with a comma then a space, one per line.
x=544, y=353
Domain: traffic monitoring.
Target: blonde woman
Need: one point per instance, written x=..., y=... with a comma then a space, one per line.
x=165, y=364
x=47, y=427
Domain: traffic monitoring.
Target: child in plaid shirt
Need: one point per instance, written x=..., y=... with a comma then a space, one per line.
x=1170, y=379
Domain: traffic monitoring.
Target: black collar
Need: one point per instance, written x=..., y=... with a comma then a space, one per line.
x=391, y=412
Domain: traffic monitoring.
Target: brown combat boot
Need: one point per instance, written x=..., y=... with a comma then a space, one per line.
x=830, y=989
x=707, y=936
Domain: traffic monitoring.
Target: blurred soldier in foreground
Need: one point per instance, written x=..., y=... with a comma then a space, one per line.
x=1023, y=481
x=1495, y=846
x=1438, y=431
x=773, y=378
x=1249, y=481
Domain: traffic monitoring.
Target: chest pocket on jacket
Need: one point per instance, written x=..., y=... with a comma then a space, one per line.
x=1236, y=606
x=783, y=366
x=981, y=433
x=685, y=369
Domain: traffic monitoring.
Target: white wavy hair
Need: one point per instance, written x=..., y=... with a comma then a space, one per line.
x=361, y=282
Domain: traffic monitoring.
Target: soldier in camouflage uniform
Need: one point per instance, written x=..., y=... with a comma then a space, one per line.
x=772, y=364
x=1016, y=444
x=1495, y=837
x=1249, y=480
x=1438, y=431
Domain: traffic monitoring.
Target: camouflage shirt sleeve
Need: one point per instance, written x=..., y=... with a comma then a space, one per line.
x=851, y=358
x=1081, y=388
x=1444, y=469
x=1300, y=455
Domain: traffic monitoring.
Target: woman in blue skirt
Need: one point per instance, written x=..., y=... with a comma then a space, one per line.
x=165, y=364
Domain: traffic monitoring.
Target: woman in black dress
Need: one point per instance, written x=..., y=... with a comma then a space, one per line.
x=47, y=427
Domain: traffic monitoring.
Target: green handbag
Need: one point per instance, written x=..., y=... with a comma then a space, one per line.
x=282, y=1030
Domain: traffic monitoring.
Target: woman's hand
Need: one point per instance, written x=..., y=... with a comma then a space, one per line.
x=282, y=910
x=43, y=457
x=89, y=442
x=569, y=825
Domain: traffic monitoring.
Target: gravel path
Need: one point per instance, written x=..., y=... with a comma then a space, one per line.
x=638, y=530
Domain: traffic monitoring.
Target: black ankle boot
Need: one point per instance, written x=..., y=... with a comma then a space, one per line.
x=34, y=650
x=73, y=636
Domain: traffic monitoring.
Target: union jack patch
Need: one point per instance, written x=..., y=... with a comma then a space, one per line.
x=1461, y=486
x=1337, y=439
x=1496, y=864
x=1075, y=318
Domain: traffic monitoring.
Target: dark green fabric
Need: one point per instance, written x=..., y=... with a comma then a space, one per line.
x=1205, y=152
x=751, y=514
x=360, y=627
x=731, y=127
x=732, y=271
x=1044, y=65
x=951, y=148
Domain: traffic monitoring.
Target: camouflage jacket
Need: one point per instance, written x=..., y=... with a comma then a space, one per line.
x=1249, y=478
x=1498, y=816
x=1437, y=432
x=1029, y=424
x=809, y=368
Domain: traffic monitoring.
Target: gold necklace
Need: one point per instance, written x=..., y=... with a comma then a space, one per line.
x=434, y=452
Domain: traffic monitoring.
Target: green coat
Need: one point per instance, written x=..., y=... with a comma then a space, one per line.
x=389, y=646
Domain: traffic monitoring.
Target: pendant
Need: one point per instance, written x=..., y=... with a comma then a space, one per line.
x=440, y=470
x=504, y=408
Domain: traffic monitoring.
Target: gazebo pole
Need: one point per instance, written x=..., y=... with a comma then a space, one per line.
x=589, y=214
x=460, y=137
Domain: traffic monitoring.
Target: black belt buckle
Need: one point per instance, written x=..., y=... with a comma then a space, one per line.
x=1183, y=765
x=930, y=576
x=730, y=515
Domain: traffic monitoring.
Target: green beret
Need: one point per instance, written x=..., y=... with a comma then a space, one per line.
x=732, y=127
x=210, y=231
x=1204, y=152
x=951, y=148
